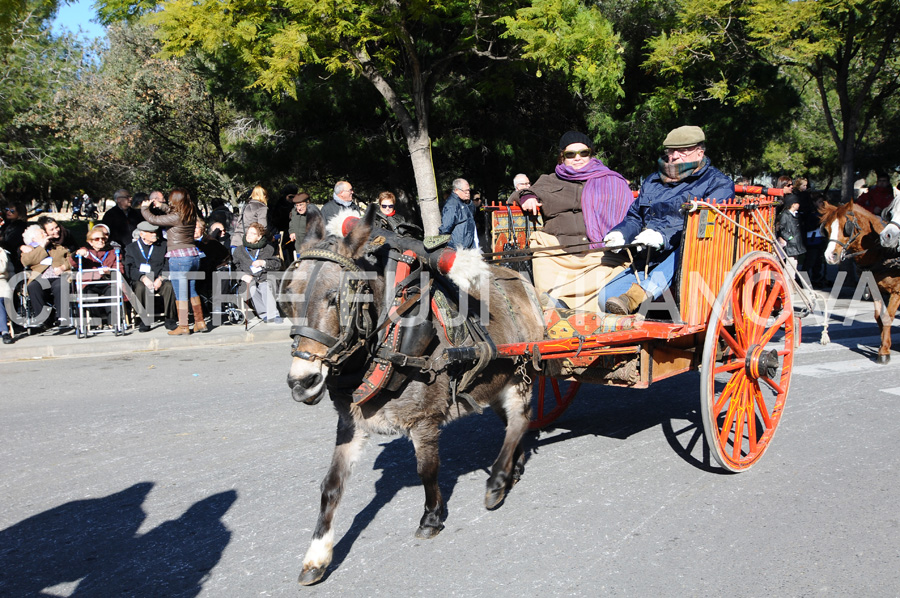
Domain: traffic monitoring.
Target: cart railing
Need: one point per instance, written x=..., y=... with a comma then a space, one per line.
x=716, y=236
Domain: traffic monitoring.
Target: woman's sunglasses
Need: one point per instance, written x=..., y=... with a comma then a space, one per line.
x=387, y=205
x=583, y=153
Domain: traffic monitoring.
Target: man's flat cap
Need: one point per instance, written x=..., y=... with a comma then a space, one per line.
x=686, y=136
x=147, y=227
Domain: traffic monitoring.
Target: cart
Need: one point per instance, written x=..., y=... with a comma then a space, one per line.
x=735, y=323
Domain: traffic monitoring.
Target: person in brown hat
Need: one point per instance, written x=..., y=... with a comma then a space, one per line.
x=655, y=219
x=297, y=226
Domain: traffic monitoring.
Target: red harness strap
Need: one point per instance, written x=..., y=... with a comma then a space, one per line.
x=380, y=371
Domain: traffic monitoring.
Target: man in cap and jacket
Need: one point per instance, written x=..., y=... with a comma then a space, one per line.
x=145, y=261
x=656, y=221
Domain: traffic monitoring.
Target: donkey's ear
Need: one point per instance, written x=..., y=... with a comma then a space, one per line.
x=356, y=239
x=315, y=227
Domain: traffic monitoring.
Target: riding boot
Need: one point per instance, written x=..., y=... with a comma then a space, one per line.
x=182, y=308
x=199, y=323
x=628, y=302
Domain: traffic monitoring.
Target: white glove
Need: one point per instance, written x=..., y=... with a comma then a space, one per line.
x=650, y=238
x=614, y=239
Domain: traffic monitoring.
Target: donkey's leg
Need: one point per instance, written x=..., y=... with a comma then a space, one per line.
x=885, y=319
x=348, y=447
x=514, y=401
x=425, y=438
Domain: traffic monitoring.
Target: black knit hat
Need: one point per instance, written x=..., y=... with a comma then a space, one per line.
x=574, y=137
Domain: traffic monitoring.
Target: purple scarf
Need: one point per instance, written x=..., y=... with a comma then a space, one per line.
x=605, y=198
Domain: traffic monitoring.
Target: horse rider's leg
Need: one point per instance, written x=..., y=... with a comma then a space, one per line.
x=515, y=401
x=425, y=436
x=348, y=446
x=885, y=319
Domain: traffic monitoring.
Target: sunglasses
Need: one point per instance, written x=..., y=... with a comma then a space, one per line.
x=387, y=205
x=98, y=238
x=571, y=154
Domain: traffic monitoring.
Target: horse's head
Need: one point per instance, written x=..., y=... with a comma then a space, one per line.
x=324, y=293
x=848, y=227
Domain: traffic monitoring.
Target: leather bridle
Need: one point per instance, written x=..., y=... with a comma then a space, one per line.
x=354, y=322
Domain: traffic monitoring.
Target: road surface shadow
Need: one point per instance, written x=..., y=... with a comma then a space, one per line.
x=672, y=404
x=94, y=542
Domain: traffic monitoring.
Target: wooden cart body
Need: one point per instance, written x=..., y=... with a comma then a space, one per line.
x=735, y=322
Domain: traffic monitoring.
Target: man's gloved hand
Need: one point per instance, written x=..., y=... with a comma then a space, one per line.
x=614, y=239
x=650, y=238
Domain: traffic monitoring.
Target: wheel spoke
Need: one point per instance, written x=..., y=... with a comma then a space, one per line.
x=751, y=425
x=782, y=318
x=729, y=367
x=761, y=405
x=738, y=434
x=730, y=416
x=731, y=342
x=773, y=385
x=738, y=314
x=727, y=392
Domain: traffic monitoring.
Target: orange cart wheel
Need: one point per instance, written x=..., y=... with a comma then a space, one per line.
x=747, y=361
x=550, y=398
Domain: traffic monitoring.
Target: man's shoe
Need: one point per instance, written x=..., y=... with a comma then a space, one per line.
x=143, y=327
x=628, y=302
x=7, y=339
x=170, y=324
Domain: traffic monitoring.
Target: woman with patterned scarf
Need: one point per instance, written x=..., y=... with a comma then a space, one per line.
x=655, y=219
x=581, y=201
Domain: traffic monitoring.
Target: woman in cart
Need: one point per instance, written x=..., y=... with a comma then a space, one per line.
x=98, y=261
x=581, y=201
x=253, y=259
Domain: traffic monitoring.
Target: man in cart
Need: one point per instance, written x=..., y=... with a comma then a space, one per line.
x=656, y=221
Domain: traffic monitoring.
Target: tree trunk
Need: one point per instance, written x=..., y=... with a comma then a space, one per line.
x=426, y=185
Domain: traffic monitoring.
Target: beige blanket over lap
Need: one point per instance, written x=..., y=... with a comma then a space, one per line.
x=574, y=279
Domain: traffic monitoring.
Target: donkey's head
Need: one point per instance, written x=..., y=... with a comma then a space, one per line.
x=325, y=294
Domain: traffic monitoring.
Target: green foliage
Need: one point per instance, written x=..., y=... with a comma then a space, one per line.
x=35, y=155
x=573, y=39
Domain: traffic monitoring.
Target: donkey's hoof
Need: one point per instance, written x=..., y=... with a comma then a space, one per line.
x=883, y=359
x=311, y=575
x=494, y=498
x=428, y=532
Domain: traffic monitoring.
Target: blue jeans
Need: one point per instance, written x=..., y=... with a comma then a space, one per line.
x=178, y=267
x=4, y=329
x=658, y=279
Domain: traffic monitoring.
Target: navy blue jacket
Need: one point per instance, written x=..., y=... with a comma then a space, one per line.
x=458, y=222
x=658, y=206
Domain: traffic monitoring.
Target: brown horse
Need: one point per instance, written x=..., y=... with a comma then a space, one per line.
x=854, y=233
x=331, y=351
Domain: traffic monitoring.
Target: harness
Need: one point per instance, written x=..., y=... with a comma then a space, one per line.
x=391, y=343
x=352, y=318
x=852, y=230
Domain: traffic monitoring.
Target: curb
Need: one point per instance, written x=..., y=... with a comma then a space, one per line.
x=56, y=346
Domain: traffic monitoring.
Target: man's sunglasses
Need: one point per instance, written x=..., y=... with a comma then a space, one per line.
x=571, y=154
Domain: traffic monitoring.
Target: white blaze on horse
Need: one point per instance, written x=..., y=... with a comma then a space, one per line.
x=350, y=293
x=857, y=234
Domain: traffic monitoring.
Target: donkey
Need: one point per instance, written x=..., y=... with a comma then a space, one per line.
x=423, y=403
x=855, y=233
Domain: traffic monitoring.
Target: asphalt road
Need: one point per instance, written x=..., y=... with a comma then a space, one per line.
x=187, y=473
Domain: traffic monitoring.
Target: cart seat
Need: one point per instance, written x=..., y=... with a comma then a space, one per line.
x=566, y=323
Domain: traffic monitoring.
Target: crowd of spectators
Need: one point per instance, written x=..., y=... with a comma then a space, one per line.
x=167, y=253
